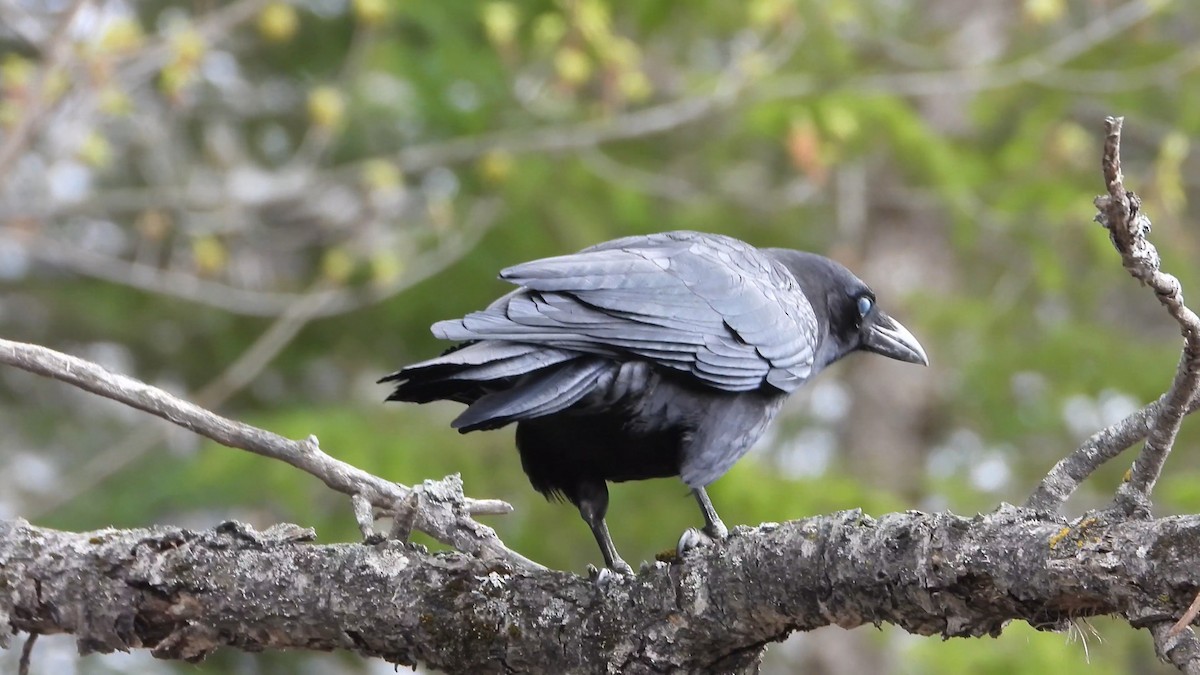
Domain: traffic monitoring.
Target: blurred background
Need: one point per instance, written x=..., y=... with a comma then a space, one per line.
x=262, y=205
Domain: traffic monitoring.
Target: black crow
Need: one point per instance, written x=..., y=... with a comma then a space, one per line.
x=649, y=356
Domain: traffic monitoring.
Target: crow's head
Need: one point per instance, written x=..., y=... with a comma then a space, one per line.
x=846, y=309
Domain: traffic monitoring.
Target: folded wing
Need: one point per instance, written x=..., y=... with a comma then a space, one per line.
x=708, y=305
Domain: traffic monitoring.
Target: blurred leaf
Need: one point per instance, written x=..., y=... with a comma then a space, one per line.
x=337, y=265
x=277, y=22
x=326, y=107
x=501, y=21
x=382, y=174
x=121, y=35
x=1173, y=151
x=548, y=30
x=1044, y=11
x=573, y=66
x=95, y=150
x=209, y=255
x=372, y=13
x=16, y=72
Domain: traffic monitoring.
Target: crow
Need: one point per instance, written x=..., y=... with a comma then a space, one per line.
x=649, y=356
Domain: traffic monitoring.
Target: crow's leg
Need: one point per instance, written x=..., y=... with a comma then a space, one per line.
x=713, y=526
x=592, y=500
x=714, y=529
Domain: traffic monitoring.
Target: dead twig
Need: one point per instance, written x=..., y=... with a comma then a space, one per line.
x=445, y=512
x=1120, y=212
x=1186, y=620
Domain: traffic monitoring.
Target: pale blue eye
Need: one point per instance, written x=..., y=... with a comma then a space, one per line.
x=864, y=305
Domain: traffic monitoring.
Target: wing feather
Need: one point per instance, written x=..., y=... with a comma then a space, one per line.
x=706, y=304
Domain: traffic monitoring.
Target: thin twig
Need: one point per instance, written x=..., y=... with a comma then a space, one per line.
x=316, y=140
x=1070, y=471
x=1029, y=68
x=1186, y=620
x=232, y=379
x=219, y=23
x=248, y=302
x=1181, y=649
x=445, y=514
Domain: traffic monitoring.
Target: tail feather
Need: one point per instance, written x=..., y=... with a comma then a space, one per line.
x=542, y=393
x=500, y=381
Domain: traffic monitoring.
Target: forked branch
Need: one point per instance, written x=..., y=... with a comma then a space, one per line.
x=1121, y=213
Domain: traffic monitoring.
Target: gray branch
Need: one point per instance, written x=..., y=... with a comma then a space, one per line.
x=445, y=513
x=192, y=288
x=183, y=594
x=1120, y=212
x=1066, y=476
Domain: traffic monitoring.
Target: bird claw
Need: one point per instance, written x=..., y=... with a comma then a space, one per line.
x=694, y=538
x=690, y=539
x=599, y=576
x=603, y=576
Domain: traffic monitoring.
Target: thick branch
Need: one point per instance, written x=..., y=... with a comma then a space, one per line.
x=184, y=593
x=445, y=512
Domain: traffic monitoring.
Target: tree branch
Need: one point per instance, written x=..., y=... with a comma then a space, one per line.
x=237, y=374
x=55, y=53
x=1120, y=213
x=247, y=302
x=1031, y=68
x=445, y=513
x=1070, y=471
x=1158, y=423
x=1180, y=649
x=183, y=593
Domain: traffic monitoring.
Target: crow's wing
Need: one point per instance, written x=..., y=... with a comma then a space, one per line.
x=706, y=304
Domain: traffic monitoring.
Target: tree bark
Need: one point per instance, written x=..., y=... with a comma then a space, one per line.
x=183, y=593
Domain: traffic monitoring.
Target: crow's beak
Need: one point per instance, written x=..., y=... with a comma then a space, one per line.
x=884, y=335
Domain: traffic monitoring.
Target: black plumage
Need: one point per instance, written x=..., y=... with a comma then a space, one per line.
x=649, y=356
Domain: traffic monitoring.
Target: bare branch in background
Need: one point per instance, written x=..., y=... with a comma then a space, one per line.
x=445, y=514
x=219, y=23
x=55, y=53
x=328, y=301
x=1030, y=68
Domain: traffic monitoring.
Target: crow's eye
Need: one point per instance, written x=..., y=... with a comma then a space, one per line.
x=864, y=305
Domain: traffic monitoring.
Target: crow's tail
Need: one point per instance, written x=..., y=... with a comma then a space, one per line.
x=501, y=382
